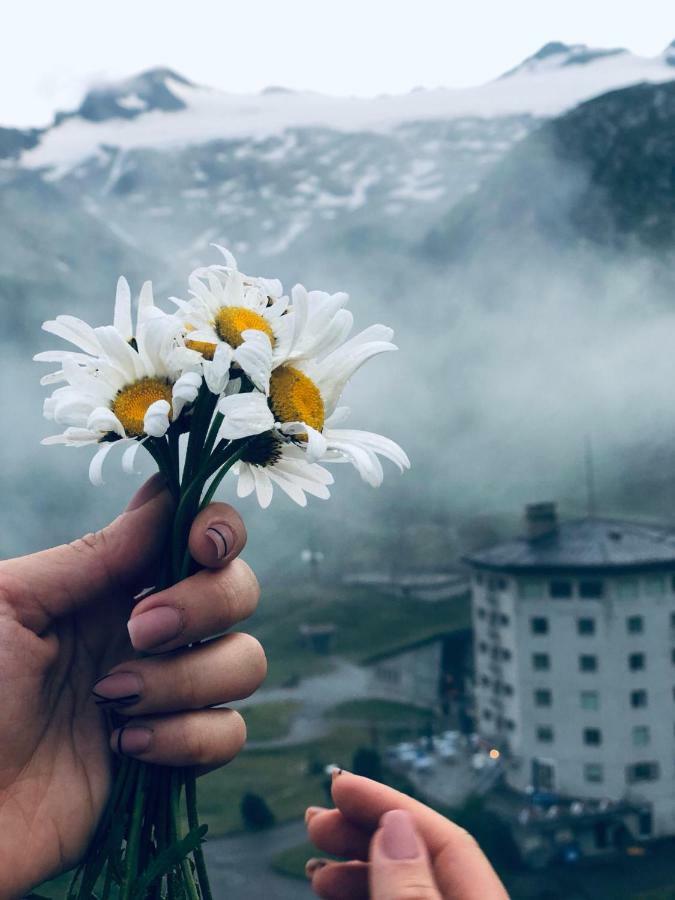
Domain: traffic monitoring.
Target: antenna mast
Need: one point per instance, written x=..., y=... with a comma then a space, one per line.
x=590, y=476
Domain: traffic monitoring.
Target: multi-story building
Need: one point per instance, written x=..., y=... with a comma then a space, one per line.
x=574, y=629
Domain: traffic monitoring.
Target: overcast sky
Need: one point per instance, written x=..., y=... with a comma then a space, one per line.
x=50, y=52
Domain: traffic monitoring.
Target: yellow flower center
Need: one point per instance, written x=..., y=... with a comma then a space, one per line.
x=132, y=402
x=231, y=321
x=295, y=398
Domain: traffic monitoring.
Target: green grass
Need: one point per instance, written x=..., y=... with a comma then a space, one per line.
x=381, y=712
x=367, y=622
x=268, y=721
x=289, y=778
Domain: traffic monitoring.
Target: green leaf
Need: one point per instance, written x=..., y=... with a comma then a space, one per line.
x=167, y=860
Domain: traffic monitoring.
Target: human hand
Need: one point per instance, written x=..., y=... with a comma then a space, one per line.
x=63, y=618
x=398, y=849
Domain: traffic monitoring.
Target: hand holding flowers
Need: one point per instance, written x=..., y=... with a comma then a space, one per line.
x=241, y=378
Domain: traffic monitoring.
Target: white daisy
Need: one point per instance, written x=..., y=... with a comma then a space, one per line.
x=300, y=414
x=244, y=313
x=120, y=388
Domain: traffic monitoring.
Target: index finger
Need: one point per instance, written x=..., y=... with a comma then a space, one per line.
x=460, y=866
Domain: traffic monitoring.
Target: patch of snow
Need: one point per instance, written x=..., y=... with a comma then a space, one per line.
x=131, y=101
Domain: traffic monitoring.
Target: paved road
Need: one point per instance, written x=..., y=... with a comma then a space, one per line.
x=315, y=695
x=239, y=866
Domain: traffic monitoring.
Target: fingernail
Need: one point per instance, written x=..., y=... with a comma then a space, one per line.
x=154, y=627
x=313, y=865
x=120, y=689
x=133, y=739
x=147, y=491
x=312, y=811
x=222, y=538
x=399, y=839
x=336, y=771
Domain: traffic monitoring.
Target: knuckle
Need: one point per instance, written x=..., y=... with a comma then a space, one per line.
x=255, y=654
x=240, y=588
x=237, y=728
x=197, y=748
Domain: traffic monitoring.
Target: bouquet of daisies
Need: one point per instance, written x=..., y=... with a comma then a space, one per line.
x=240, y=379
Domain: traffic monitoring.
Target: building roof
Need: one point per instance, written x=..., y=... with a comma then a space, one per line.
x=590, y=543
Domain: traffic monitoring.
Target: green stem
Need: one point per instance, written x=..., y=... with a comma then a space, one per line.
x=193, y=822
x=188, y=880
x=231, y=460
x=201, y=417
x=131, y=856
x=158, y=448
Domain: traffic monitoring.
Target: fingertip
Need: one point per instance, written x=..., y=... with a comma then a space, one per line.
x=217, y=536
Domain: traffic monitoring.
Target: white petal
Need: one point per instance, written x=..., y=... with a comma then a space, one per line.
x=145, y=303
x=245, y=415
x=246, y=482
x=340, y=414
x=120, y=354
x=104, y=420
x=156, y=420
x=184, y=391
x=316, y=443
x=129, y=457
x=376, y=443
x=96, y=465
x=122, y=314
x=217, y=370
x=254, y=356
x=263, y=486
x=75, y=331
x=230, y=261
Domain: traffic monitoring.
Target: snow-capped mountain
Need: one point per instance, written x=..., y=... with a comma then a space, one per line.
x=162, y=109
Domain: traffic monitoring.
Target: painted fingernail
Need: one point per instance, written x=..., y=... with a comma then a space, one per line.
x=133, y=739
x=118, y=689
x=336, y=771
x=313, y=865
x=154, y=627
x=147, y=491
x=312, y=811
x=399, y=839
x=222, y=537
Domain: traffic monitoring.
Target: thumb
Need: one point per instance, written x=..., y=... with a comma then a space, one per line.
x=399, y=862
x=43, y=586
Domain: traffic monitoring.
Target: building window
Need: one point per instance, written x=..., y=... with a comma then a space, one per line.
x=635, y=624
x=482, y=647
x=541, y=662
x=593, y=773
x=539, y=625
x=636, y=662
x=543, y=697
x=627, y=589
x=560, y=590
x=507, y=690
x=502, y=584
x=592, y=737
x=485, y=681
x=638, y=699
x=504, y=620
x=506, y=654
x=591, y=590
x=672, y=620
x=672, y=656
x=480, y=612
x=640, y=735
x=588, y=663
x=590, y=700
x=510, y=725
x=586, y=627
x=531, y=589
x=487, y=713
x=642, y=771
x=544, y=734
x=655, y=585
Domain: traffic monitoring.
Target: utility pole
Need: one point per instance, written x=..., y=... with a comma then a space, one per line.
x=590, y=476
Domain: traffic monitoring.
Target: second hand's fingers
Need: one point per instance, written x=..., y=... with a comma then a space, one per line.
x=461, y=867
x=197, y=608
x=218, y=534
x=338, y=880
x=328, y=830
x=205, y=739
x=399, y=861
x=219, y=671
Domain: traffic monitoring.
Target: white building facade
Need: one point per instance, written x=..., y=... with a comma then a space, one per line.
x=574, y=648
